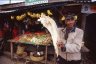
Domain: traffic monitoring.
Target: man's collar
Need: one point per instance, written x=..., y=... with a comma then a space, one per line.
x=73, y=29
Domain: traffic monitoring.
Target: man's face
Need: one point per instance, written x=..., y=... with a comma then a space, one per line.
x=70, y=22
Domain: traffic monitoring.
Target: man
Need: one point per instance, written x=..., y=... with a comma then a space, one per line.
x=69, y=49
x=67, y=41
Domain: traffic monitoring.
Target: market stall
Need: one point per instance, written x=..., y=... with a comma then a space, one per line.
x=24, y=20
x=33, y=39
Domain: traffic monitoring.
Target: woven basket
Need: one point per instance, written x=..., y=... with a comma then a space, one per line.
x=34, y=58
x=20, y=50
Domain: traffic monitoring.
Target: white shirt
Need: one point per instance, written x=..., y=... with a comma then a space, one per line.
x=73, y=44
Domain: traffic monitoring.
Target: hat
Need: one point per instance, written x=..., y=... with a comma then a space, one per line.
x=70, y=17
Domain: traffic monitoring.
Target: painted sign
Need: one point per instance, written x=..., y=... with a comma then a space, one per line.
x=34, y=2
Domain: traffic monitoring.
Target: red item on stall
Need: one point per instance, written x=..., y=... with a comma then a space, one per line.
x=15, y=32
x=16, y=38
x=1, y=33
x=27, y=32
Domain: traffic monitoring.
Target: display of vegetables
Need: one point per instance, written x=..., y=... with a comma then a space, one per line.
x=34, y=38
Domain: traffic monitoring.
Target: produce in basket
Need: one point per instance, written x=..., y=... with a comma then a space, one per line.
x=37, y=56
x=20, y=50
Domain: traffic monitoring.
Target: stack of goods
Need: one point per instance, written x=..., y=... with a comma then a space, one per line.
x=41, y=39
x=34, y=38
x=26, y=38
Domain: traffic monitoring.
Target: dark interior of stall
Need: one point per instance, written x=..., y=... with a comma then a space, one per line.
x=90, y=33
x=13, y=27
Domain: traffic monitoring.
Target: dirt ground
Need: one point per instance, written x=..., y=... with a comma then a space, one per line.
x=5, y=59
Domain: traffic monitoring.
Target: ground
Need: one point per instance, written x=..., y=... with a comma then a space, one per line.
x=5, y=59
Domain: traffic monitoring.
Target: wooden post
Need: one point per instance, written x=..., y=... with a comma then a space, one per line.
x=46, y=54
x=11, y=50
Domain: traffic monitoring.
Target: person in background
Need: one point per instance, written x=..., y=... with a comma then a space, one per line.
x=69, y=49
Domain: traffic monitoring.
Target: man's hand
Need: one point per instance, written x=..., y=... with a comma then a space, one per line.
x=60, y=44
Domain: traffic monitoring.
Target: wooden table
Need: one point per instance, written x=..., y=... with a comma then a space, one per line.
x=12, y=41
